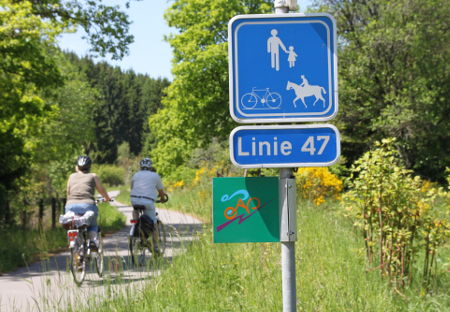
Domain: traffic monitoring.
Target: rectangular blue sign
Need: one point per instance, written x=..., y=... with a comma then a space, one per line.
x=283, y=68
x=285, y=146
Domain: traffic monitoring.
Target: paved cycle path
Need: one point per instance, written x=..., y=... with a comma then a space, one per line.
x=48, y=285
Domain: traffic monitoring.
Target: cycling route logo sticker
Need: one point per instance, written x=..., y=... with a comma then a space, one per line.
x=246, y=209
x=249, y=205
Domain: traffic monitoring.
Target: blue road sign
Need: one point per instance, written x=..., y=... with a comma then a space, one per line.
x=283, y=68
x=285, y=146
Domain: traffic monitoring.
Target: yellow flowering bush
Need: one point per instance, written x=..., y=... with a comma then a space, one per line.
x=205, y=173
x=317, y=184
x=176, y=185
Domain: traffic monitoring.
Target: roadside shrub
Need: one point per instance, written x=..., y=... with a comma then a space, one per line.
x=317, y=184
x=111, y=175
x=398, y=214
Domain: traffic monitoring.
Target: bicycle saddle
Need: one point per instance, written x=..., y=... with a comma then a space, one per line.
x=139, y=207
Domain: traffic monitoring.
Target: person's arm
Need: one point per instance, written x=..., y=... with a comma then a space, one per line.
x=161, y=193
x=160, y=188
x=101, y=189
x=67, y=189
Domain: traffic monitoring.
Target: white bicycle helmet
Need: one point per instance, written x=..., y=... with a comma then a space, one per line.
x=84, y=163
x=146, y=163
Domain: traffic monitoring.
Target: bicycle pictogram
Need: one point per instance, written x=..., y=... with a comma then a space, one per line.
x=268, y=99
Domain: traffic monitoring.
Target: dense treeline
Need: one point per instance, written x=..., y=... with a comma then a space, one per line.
x=98, y=108
x=124, y=103
x=394, y=79
x=55, y=106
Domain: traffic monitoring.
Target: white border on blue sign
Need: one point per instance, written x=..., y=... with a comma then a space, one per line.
x=286, y=165
x=282, y=118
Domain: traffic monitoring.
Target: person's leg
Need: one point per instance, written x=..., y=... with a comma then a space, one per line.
x=134, y=216
x=151, y=212
x=91, y=216
x=277, y=61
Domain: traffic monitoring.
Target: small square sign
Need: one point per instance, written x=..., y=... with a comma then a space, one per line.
x=246, y=210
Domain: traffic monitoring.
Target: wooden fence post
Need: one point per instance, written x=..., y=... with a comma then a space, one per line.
x=41, y=212
x=53, y=212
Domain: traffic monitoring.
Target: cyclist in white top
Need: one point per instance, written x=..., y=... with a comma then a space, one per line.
x=146, y=185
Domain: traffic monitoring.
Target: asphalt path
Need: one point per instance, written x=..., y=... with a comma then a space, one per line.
x=48, y=285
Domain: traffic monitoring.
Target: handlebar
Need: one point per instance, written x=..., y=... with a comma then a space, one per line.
x=162, y=199
x=102, y=200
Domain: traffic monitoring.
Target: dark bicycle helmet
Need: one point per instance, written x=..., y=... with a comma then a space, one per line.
x=146, y=164
x=84, y=163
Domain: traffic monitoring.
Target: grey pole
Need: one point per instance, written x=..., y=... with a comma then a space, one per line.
x=288, y=202
x=289, y=288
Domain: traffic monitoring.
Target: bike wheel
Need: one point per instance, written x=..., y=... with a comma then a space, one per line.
x=249, y=101
x=78, y=264
x=162, y=238
x=99, y=260
x=139, y=251
x=273, y=100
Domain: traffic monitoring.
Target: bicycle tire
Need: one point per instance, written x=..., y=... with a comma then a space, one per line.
x=162, y=238
x=273, y=100
x=99, y=259
x=249, y=101
x=139, y=251
x=77, y=265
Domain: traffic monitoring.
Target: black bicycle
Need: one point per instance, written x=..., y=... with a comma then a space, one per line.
x=141, y=242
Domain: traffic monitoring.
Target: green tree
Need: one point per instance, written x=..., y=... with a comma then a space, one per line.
x=125, y=101
x=106, y=27
x=27, y=69
x=68, y=131
x=394, y=77
x=196, y=106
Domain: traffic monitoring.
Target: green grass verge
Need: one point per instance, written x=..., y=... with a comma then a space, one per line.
x=19, y=247
x=110, y=219
x=331, y=272
x=196, y=202
x=124, y=195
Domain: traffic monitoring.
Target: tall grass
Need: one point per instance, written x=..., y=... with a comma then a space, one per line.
x=331, y=272
x=20, y=246
x=110, y=219
x=193, y=201
x=124, y=194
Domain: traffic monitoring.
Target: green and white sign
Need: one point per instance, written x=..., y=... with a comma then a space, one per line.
x=246, y=210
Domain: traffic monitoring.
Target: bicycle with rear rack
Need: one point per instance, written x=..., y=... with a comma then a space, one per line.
x=82, y=252
x=141, y=242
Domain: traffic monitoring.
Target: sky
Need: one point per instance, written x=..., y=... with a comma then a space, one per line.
x=149, y=54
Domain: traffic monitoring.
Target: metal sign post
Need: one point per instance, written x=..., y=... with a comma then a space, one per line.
x=288, y=276
x=283, y=69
